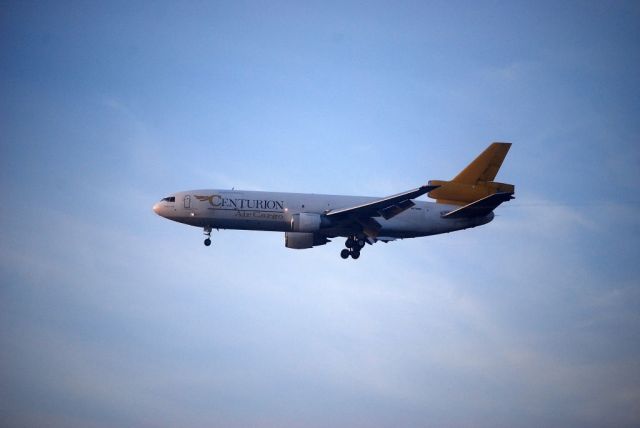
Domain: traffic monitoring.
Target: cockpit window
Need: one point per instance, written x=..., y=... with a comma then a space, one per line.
x=169, y=199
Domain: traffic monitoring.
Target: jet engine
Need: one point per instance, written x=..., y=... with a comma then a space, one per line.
x=300, y=241
x=305, y=222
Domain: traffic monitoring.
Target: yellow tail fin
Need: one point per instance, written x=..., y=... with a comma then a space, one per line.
x=485, y=167
x=476, y=180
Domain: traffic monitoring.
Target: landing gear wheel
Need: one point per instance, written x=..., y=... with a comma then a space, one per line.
x=360, y=243
x=344, y=254
x=355, y=254
x=207, y=233
x=349, y=243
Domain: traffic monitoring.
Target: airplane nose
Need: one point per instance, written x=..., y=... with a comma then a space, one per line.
x=156, y=208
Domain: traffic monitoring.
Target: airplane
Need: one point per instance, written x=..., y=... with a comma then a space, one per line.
x=310, y=220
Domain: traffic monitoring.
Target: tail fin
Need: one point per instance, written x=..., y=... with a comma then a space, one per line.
x=476, y=180
x=485, y=167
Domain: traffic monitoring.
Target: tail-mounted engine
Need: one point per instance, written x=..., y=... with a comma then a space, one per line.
x=451, y=192
x=476, y=180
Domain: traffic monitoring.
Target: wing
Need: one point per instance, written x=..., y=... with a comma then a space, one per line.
x=481, y=207
x=387, y=207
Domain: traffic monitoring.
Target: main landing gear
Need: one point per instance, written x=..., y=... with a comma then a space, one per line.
x=207, y=232
x=354, y=245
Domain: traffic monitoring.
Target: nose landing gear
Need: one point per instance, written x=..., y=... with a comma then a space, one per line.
x=207, y=233
x=354, y=244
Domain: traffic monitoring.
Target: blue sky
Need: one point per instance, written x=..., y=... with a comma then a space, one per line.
x=111, y=316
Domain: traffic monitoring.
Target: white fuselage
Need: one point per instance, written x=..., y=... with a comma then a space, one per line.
x=272, y=211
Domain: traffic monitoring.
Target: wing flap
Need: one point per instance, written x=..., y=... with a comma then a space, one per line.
x=481, y=207
x=370, y=227
x=396, y=209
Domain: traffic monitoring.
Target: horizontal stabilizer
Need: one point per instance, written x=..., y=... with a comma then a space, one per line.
x=480, y=208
